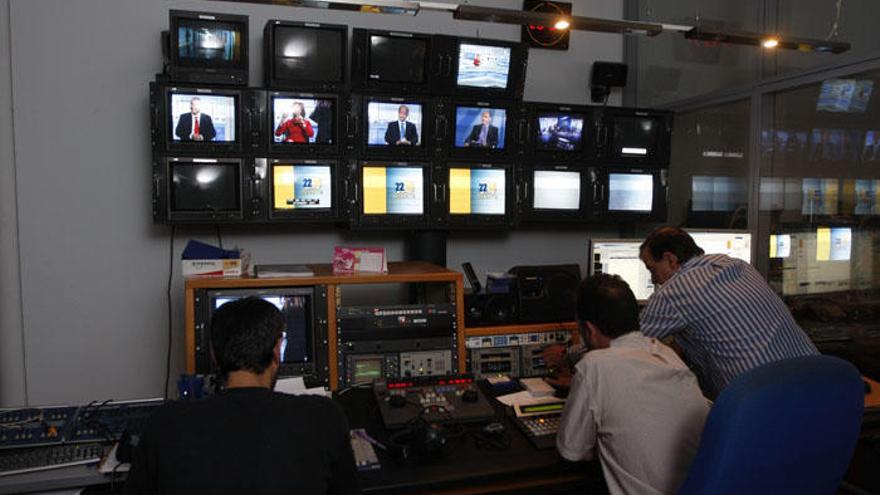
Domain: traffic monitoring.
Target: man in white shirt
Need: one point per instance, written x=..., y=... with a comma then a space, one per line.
x=632, y=400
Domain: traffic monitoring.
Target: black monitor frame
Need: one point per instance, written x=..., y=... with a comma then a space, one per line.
x=307, y=149
x=589, y=143
x=277, y=83
x=431, y=113
x=442, y=195
x=659, y=158
x=360, y=64
x=162, y=194
x=355, y=191
x=446, y=62
x=163, y=122
x=529, y=213
x=315, y=370
x=511, y=131
x=322, y=215
x=659, y=196
x=192, y=72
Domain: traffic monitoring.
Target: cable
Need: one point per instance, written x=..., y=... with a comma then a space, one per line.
x=170, y=315
x=835, y=26
x=219, y=238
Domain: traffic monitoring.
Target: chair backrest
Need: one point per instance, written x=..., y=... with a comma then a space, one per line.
x=786, y=427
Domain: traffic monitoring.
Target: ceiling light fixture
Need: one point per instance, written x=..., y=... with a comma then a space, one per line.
x=758, y=39
x=562, y=24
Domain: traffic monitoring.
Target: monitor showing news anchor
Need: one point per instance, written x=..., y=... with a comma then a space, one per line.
x=394, y=124
x=202, y=118
x=302, y=120
x=479, y=127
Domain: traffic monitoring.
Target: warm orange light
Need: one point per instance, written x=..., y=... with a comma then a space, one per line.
x=562, y=24
x=770, y=43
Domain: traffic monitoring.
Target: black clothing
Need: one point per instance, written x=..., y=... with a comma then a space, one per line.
x=392, y=134
x=245, y=440
x=473, y=138
x=185, y=127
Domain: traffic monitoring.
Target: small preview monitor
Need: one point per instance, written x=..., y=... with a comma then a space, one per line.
x=820, y=196
x=557, y=190
x=845, y=95
x=208, y=40
x=197, y=118
x=621, y=257
x=718, y=193
x=480, y=127
x=638, y=137
x=483, y=66
x=300, y=186
x=630, y=192
x=307, y=54
x=209, y=187
x=397, y=59
x=303, y=120
x=833, y=244
x=867, y=197
x=780, y=245
x=559, y=131
x=394, y=124
x=393, y=190
x=735, y=244
x=477, y=191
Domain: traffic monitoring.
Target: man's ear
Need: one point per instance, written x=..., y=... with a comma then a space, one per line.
x=277, y=351
x=671, y=258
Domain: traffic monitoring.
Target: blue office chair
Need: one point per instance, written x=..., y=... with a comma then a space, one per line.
x=785, y=427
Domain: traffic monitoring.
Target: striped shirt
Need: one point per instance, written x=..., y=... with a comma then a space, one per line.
x=725, y=318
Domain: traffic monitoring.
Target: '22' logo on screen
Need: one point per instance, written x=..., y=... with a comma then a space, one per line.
x=400, y=187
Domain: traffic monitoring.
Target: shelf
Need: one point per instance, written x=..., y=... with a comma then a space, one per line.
x=530, y=328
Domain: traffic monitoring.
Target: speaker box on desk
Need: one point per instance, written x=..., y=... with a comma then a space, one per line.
x=483, y=310
x=546, y=292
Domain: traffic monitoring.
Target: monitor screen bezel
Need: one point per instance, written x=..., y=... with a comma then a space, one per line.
x=391, y=221
x=274, y=82
x=305, y=215
x=298, y=368
x=529, y=212
x=511, y=147
x=202, y=216
x=174, y=18
x=588, y=152
x=658, y=204
x=475, y=220
x=515, y=74
x=360, y=76
x=167, y=120
x=309, y=149
x=659, y=158
x=402, y=153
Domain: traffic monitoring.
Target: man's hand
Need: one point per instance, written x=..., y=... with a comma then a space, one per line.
x=556, y=360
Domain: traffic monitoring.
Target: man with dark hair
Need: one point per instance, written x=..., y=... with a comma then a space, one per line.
x=247, y=438
x=724, y=316
x=631, y=399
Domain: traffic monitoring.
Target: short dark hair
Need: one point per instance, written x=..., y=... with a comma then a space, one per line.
x=244, y=334
x=607, y=302
x=673, y=240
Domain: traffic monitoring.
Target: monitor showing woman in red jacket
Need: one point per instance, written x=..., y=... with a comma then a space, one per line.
x=295, y=127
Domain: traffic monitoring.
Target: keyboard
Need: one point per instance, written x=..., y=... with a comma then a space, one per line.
x=540, y=430
x=364, y=455
x=26, y=460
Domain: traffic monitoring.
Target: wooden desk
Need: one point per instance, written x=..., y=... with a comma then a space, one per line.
x=873, y=398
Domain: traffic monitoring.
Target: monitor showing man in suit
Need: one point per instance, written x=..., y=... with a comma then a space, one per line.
x=203, y=118
x=394, y=124
x=477, y=127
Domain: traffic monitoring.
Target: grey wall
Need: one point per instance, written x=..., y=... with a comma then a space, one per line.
x=82, y=308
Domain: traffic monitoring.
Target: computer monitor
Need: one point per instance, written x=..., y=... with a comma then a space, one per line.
x=733, y=243
x=303, y=123
x=207, y=47
x=305, y=55
x=393, y=194
x=833, y=243
x=303, y=352
x=780, y=245
x=810, y=269
x=621, y=257
x=303, y=189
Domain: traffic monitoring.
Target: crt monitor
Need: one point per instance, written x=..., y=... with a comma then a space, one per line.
x=483, y=65
x=306, y=54
x=621, y=257
x=393, y=190
x=396, y=58
x=630, y=192
x=302, y=120
x=733, y=243
x=196, y=118
x=298, y=339
x=557, y=190
x=638, y=137
x=203, y=40
x=204, y=187
x=302, y=188
x=480, y=127
x=477, y=191
x=394, y=124
x=559, y=131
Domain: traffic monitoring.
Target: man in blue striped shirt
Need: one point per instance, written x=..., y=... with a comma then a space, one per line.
x=724, y=316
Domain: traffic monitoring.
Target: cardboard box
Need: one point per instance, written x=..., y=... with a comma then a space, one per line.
x=212, y=268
